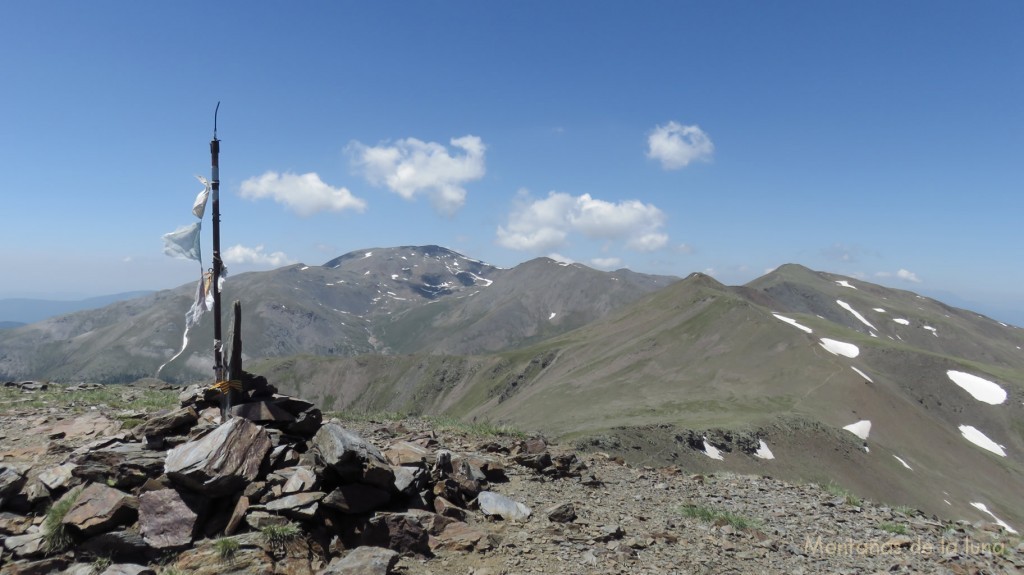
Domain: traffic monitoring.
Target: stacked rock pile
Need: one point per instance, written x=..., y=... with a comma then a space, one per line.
x=269, y=489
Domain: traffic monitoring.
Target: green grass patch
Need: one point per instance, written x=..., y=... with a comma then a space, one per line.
x=131, y=422
x=56, y=536
x=366, y=416
x=113, y=396
x=905, y=510
x=280, y=534
x=897, y=528
x=836, y=490
x=709, y=515
x=226, y=548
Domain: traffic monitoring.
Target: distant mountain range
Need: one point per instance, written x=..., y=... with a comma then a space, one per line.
x=891, y=394
x=20, y=311
x=413, y=299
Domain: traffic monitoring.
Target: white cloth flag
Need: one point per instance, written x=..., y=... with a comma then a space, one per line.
x=202, y=303
x=200, y=204
x=184, y=242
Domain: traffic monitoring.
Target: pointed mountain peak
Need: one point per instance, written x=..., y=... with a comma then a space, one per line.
x=702, y=279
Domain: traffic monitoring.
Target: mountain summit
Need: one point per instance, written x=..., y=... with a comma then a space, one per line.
x=405, y=299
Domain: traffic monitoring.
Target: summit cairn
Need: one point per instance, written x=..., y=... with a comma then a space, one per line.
x=271, y=485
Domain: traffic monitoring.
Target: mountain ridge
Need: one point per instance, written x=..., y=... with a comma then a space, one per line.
x=20, y=311
x=844, y=380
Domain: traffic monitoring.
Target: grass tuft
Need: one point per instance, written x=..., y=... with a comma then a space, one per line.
x=56, y=535
x=279, y=534
x=836, y=490
x=131, y=423
x=905, y=510
x=226, y=548
x=118, y=397
x=708, y=515
x=897, y=528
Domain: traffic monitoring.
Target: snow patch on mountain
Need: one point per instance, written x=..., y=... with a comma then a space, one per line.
x=840, y=348
x=477, y=278
x=855, y=313
x=979, y=388
x=978, y=438
x=861, y=429
x=900, y=459
x=793, y=323
x=984, y=509
x=712, y=452
x=862, y=374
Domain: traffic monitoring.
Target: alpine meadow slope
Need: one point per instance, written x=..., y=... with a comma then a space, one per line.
x=699, y=367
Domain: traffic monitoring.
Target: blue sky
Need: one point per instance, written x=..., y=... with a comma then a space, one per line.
x=880, y=140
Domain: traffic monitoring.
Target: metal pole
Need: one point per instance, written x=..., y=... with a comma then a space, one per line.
x=218, y=354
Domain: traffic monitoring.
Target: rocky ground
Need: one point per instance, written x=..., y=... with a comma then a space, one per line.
x=171, y=489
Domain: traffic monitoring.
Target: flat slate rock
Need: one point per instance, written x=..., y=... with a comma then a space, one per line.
x=165, y=519
x=363, y=561
x=168, y=423
x=28, y=545
x=99, y=508
x=338, y=447
x=222, y=461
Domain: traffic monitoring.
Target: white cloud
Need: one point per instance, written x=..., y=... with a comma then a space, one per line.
x=606, y=263
x=544, y=224
x=905, y=275
x=239, y=254
x=647, y=242
x=560, y=258
x=676, y=145
x=304, y=194
x=411, y=167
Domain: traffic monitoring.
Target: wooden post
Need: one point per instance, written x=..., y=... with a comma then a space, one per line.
x=218, y=347
x=235, y=361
